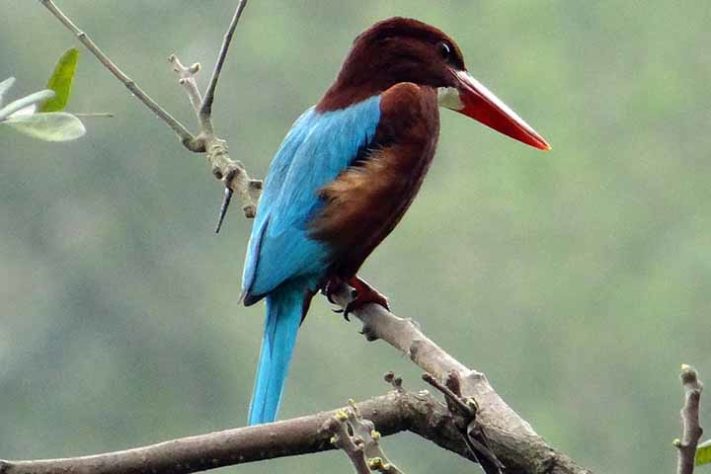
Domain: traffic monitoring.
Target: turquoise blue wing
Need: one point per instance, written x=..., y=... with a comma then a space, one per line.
x=316, y=150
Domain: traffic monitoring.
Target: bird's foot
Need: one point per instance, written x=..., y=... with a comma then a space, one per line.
x=362, y=293
x=333, y=286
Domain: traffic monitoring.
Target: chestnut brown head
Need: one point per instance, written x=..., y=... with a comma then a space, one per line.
x=406, y=50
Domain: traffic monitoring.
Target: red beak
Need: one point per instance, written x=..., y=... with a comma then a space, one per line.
x=480, y=104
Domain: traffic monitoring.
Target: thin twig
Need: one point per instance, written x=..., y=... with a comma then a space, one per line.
x=691, y=430
x=464, y=412
x=226, y=199
x=94, y=114
x=232, y=173
x=454, y=401
x=186, y=78
x=183, y=133
x=206, y=107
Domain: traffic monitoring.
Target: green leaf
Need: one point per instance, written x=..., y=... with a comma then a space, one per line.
x=61, y=81
x=26, y=102
x=703, y=453
x=50, y=126
x=5, y=86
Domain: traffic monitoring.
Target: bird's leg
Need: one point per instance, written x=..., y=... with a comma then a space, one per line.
x=365, y=294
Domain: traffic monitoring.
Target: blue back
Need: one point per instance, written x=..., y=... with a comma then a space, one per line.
x=316, y=150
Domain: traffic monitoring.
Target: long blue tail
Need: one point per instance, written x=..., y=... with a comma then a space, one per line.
x=284, y=312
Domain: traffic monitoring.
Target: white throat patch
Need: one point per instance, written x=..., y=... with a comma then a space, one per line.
x=449, y=97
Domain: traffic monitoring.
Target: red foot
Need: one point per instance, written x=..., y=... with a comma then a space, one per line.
x=363, y=294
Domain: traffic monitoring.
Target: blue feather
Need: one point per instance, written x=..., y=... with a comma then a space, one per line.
x=282, y=262
x=316, y=150
x=284, y=307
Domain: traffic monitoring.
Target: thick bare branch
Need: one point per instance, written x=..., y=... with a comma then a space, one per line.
x=511, y=438
x=691, y=429
x=391, y=413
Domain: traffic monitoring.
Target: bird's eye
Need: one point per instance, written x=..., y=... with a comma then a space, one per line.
x=444, y=50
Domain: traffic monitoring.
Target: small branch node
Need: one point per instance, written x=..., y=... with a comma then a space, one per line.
x=358, y=438
x=395, y=381
x=256, y=185
x=249, y=211
x=379, y=465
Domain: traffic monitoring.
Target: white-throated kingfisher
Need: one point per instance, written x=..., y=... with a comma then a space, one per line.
x=346, y=172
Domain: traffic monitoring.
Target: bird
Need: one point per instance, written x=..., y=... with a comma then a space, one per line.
x=345, y=173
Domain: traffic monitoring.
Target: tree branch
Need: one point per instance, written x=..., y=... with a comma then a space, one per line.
x=357, y=437
x=464, y=417
x=206, y=107
x=691, y=430
x=391, y=413
x=232, y=173
x=338, y=427
x=183, y=133
x=511, y=438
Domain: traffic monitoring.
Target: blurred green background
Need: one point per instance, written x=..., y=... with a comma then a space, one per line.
x=578, y=280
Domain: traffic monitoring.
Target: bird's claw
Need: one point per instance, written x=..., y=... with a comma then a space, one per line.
x=364, y=294
x=361, y=294
x=330, y=288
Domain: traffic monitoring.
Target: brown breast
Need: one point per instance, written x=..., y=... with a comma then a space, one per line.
x=365, y=202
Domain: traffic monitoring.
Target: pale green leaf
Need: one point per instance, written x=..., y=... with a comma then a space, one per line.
x=703, y=453
x=25, y=102
x=5, y=86
x=61, y=81
x=49, y=126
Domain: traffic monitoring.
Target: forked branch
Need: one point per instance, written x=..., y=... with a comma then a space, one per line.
x=183, y=133
x=512, y=440
x=357, y=437
x=232, y=173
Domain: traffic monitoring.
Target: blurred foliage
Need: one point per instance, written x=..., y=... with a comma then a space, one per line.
x=39, y=115
x=578, y=280
x=22, y=116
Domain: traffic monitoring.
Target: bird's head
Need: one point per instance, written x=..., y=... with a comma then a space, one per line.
x=406, y=50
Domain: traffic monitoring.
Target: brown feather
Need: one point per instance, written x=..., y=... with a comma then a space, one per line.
x=366, y=201
x=390, y=52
